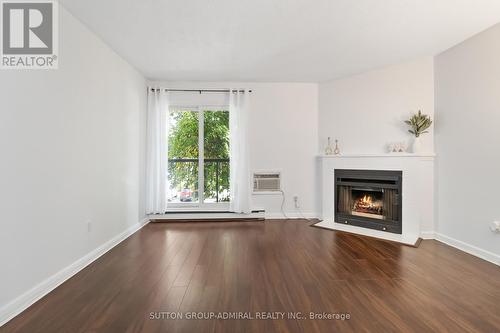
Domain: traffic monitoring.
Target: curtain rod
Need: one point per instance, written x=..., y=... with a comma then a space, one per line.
x=204, y=90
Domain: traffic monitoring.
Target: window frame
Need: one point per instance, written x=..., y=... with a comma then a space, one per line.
x=201, y=205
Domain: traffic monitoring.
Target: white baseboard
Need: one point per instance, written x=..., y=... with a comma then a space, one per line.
x=291, y=215
x=462, y=246
x=427, y=234
x=204, y=216
x=470, y=249
x=21, y=303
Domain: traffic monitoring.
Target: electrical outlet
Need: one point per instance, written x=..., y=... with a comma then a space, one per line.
x=495, y=227
x=296, y=201
x=89, y=226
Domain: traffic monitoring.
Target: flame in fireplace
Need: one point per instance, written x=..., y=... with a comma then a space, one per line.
x=368, y=204
x=367, y=200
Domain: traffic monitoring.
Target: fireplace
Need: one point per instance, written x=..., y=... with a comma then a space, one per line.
x=369, y=198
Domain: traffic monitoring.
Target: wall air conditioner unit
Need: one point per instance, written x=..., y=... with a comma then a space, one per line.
x=266, y=182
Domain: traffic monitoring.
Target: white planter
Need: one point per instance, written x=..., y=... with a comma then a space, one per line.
x=417, y=145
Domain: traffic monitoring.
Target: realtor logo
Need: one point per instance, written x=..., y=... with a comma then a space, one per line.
x=29, y=34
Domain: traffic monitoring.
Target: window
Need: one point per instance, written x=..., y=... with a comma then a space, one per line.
x=198, y=155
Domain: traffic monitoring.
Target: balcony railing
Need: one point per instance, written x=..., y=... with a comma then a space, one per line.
x=221, y=166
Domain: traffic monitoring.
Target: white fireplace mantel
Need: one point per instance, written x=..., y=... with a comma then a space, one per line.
x=417, y=192
x=392, y=155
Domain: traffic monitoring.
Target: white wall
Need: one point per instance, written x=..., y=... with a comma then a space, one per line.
x=284, y=127
x=283, y=136
x=468, y=140
x=70, y=145
x=366, y=112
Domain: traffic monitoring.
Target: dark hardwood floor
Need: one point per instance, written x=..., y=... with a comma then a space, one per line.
x=272, y=266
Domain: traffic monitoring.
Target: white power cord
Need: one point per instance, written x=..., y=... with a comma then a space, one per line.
x=296, y=207
x=282, y=204
x=305, y=218
x=300, y=212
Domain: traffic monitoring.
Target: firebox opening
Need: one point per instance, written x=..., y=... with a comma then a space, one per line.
x=367, y=203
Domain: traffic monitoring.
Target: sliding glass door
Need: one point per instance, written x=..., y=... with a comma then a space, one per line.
x=183, y=154
x=198, y=171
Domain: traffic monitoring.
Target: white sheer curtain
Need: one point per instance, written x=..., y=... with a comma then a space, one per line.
x=157, y=151
x=239, y=181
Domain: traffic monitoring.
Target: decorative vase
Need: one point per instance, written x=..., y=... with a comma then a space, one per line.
x=417, y=145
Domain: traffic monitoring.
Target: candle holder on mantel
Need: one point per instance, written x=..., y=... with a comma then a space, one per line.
x=336, y=151
x=329, y=149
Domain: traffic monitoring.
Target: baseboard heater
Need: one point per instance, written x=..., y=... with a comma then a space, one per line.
x=209, y=215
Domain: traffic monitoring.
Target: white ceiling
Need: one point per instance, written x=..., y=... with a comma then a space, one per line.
x=278, y=40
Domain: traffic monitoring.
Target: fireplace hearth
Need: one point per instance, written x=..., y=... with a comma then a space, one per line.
x=369, y=198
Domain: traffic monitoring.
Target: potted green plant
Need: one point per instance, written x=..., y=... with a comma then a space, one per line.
x=419, y=123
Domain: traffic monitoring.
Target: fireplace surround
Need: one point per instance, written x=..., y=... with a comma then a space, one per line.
x=417, y=195
x=369, y=199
